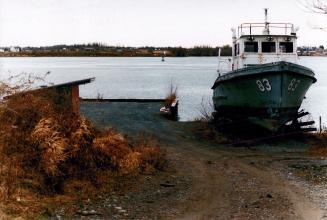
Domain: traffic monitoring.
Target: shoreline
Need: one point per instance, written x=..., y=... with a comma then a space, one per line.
x=101, y=54
x=12, y=55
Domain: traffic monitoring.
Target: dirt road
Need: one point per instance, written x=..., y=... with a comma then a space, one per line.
x=214, y=181
x=204, y=181
x=235, y=185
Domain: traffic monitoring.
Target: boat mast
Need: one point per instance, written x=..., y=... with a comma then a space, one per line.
x=266, y=30
x=234, y=49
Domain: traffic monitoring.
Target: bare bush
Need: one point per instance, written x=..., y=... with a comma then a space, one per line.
x=206, y=109
x=172, y=94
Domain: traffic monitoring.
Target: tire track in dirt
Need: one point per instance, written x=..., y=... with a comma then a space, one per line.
x=226, y=186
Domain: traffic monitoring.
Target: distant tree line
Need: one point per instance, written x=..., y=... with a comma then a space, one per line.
x=226, y=50
x=101, y=49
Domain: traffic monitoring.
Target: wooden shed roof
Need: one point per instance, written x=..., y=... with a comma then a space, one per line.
x=72, y=83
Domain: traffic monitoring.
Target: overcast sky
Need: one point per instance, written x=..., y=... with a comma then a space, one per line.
x=145, y=22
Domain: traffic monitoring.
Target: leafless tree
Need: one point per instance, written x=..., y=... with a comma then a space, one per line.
x=315, y=6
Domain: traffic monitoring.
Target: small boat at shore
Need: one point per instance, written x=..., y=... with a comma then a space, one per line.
x=170, y=109
x=265, y=84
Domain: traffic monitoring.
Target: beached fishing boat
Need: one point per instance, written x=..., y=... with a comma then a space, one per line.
x=265, y=84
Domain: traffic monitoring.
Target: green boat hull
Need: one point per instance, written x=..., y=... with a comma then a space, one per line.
x=269, y=95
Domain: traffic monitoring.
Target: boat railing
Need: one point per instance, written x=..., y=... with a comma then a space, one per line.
x=270, y=28
x=224, y=66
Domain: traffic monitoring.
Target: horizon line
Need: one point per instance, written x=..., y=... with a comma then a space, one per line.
x=124, y=46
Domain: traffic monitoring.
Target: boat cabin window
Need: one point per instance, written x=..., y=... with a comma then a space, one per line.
x=237, y=49
x=286, y=47
x=251, y=46
x=268, y=47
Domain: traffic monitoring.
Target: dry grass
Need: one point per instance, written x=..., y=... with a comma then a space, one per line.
x=208, y=132
x=318, y=145
x=46, y=151
x=151, y=158
x=52, y=143
x=172, y=95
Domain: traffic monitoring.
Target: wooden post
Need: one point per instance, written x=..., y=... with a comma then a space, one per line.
x=75, y=99
x=320, y=129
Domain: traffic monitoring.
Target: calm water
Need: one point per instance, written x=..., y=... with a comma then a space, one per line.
x=150, y=78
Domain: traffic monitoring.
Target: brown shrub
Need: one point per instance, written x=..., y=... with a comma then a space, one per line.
x=152, y=157
x=110, y=149
x=130, y=163
x=41, y=148
x=45, y=149
x=10, y=170
x=52, y=145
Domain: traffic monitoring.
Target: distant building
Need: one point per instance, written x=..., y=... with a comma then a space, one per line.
x=142, y=51
x=89, y=49
x=162, y=52
x=14, y=49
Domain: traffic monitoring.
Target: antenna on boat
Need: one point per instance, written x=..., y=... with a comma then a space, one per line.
x=266, y=30
x=218, y=70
